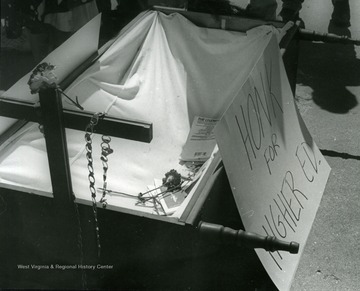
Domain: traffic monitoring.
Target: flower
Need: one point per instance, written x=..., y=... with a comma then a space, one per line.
x=42, y=77
x=172, y=180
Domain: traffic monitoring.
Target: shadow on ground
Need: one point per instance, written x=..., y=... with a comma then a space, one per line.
x=328, y=68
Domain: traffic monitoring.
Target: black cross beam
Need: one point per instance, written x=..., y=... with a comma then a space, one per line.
x=73, y=119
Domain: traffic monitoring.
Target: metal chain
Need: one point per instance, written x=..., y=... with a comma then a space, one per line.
x=89, y=130
x=105, y=151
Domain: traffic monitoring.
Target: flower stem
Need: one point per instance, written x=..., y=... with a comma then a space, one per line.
x=77, y=104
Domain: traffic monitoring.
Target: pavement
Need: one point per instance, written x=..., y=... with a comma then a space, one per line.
x=328, y=96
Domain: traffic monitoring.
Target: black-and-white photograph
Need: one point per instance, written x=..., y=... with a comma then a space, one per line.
x=180, y=145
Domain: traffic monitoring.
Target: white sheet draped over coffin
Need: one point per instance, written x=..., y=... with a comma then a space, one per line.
x=161, y=69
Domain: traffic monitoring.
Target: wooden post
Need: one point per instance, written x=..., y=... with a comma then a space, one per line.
x=56, y=145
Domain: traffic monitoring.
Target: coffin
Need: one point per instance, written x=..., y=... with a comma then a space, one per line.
x=161, y=72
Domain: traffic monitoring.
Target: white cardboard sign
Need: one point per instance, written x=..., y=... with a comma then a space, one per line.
x=276, y=172
x=201, y=140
